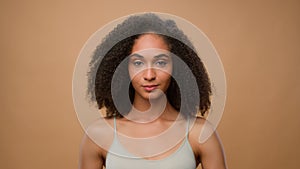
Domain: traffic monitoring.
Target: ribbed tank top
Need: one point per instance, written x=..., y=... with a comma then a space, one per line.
x=182, y=158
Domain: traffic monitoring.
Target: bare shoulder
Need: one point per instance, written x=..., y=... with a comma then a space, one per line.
x=88, y=145
x=101, y=132
x=201, y=131
x=206, y=144
x=95, y=144
x=98, y=136
x=198, y=125
x=91, y=155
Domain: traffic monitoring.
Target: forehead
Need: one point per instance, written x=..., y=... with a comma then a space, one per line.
x=151, y=53
x=149, y=41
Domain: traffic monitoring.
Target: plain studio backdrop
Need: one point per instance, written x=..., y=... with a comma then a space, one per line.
x=258, y=43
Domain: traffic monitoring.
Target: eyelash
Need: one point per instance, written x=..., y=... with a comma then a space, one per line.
x=137, y=63
x=160, y=63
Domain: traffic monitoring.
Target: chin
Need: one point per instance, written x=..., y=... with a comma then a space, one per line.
x=155, y=95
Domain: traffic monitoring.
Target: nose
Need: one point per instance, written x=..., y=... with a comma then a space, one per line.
x=149, y=74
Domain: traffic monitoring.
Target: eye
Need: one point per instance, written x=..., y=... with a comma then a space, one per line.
x=138, y=63
x=161, y=63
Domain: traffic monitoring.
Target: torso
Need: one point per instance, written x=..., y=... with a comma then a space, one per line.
x=185, y=149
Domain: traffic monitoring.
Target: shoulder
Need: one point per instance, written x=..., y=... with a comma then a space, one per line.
x=200, y=130
x=88, y=145
x=206, y=144
x=198, y=125
x=99, y=135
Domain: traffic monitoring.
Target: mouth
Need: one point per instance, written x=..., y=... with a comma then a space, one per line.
x=149, y=88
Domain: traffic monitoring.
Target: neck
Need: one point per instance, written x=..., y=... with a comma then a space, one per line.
x=145, y=104
x=149, y=110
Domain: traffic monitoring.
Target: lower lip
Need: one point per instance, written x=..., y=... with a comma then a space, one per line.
x=150, y=88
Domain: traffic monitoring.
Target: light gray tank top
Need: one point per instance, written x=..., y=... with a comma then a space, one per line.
x=182, y=158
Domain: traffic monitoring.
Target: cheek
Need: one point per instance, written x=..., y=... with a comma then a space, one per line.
x=167, y=72
x=165, y=77
x=132, y=73
x=134, y=77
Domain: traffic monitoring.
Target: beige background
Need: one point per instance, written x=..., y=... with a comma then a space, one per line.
x=258, y=41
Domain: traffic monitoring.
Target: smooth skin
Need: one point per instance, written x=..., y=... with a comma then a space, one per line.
x=150, y=68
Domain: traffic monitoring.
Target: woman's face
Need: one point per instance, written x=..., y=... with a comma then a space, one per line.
x=150, y=66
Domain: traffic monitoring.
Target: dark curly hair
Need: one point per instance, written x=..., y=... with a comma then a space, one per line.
x=117, y=45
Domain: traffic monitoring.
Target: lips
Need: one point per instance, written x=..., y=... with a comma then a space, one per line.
x=149, y=87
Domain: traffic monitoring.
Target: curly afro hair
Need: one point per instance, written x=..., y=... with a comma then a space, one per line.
x=117, y=45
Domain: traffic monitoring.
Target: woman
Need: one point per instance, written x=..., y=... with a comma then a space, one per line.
x=156, y=123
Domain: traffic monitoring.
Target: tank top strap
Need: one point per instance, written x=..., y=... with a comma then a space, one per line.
x=187, y=128
x=115, y=126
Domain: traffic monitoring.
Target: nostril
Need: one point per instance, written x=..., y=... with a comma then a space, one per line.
x=150, y=74
x=149, y=78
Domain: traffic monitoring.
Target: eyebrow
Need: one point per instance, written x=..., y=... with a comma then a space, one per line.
x=156, y=57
